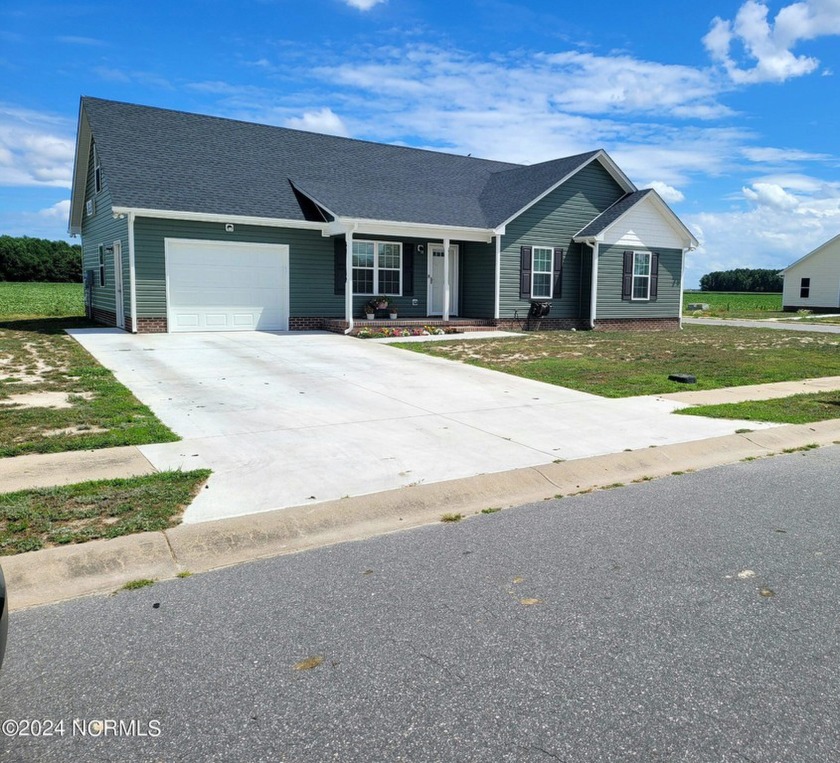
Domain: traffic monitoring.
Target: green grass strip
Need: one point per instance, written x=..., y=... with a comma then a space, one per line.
x=798, y=409
x=36, y=519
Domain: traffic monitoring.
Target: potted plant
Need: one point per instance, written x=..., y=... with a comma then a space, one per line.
x=369, y=311
x=392, y=311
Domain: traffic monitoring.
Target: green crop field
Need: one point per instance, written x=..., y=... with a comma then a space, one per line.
x=30, y=300
x=730, y=304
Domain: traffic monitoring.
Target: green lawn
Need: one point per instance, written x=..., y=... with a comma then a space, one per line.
x=625, y=363
x=797, y=409
x=34, y=519
x=40, y=300
x=735, y=305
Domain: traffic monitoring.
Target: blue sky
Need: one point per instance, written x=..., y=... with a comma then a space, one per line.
x=729, y=108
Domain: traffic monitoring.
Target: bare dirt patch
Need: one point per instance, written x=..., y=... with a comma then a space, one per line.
x=45, y=399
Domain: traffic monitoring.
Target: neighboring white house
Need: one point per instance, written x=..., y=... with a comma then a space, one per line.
x=813, y=282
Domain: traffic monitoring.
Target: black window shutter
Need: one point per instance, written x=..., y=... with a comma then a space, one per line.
x=654, y=275
x=408, y=270
x=525, y=272
x=558, y=272
x=340, y=265
x=627, y=277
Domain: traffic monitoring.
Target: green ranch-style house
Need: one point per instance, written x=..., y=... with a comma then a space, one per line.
x=196, y=223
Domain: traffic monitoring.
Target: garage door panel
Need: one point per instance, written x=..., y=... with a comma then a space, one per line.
x=226, y=286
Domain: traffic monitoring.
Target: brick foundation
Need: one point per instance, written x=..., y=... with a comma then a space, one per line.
x=638, y=324
x=542, y=324
x=106, y=317
x=306, y=324
x=151, y=325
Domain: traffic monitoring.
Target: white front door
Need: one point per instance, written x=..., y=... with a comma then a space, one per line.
x=119, y=301
x=436, y=280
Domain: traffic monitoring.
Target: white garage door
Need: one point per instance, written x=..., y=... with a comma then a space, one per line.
x=227, y=286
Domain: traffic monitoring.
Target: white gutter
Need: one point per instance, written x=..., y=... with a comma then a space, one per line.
x=208, y=217
x=348, y=282
x=593, y=295
x=132, y=274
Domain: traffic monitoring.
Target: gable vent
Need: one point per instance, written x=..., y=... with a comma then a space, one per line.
x=89, y=207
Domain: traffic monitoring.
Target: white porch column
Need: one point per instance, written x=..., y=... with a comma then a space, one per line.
x=348, y=283
x=446, y=279
x=593, y=294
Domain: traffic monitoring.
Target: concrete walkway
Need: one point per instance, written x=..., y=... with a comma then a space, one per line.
x=827, y=328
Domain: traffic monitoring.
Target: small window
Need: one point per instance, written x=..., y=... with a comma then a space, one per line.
x=97, y=172
x=101, y=265
x=805, y=288
x=641, y=275
x=542, y=272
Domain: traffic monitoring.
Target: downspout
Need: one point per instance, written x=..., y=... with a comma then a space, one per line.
x=348, y=282
x=593, y=295
x=132, y=274
x=682, y=284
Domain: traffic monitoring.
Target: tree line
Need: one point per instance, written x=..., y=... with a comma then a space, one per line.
x=37, y=259
x=742, y=279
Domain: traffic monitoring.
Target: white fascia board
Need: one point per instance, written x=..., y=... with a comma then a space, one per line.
x=408, y=230
x=80, y=163
x=811, y=253
x=608, y=164
x=212, y=217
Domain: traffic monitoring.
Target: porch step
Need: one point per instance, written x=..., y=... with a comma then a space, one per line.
x=461, y=324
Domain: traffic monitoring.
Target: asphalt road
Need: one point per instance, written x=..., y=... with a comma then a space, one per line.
x=694, y=618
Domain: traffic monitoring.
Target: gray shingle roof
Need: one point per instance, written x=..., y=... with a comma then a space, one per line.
x=611, y=214
x=169, y=160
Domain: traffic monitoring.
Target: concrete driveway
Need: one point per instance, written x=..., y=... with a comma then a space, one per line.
x=290, y=419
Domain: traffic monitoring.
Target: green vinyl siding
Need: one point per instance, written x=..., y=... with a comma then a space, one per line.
x=310, y=262
x=102, y=229
x=553, y=221
x=610, y=271
x=477, y=280
x=311, y=266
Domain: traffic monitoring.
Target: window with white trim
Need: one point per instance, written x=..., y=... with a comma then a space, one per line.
x=97, y=172
x=377, y=268
x=641, y=275
x=804, y=288
x=101, y=265
x=542, y=272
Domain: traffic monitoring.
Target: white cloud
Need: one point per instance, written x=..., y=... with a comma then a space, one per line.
x=324, y=121
x=60, y=210
x=35, y=149
x=363, y=5
x=769, y=155
x=769, y=45
x=771, y=195
x=668, y=193
x=786, y=219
